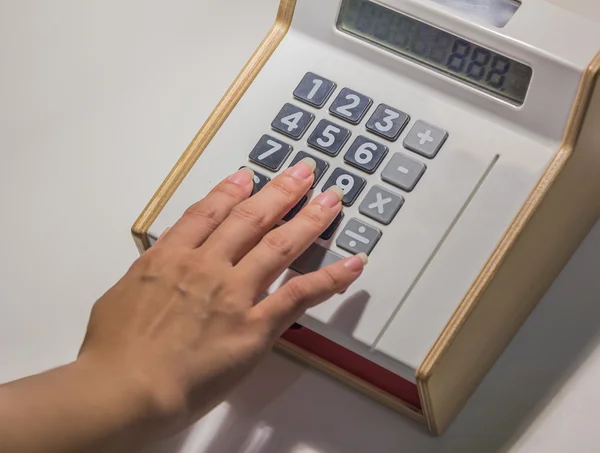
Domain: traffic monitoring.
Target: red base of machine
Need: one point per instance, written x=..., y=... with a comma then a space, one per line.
x=354, y=364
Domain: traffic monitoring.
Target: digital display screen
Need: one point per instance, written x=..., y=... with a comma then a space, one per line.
x=437, y=49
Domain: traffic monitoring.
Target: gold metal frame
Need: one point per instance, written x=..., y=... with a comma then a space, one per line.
x=441, y=382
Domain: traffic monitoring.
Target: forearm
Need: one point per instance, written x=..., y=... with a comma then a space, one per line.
x=80, y=407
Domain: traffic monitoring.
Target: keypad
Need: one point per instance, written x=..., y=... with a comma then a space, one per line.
x=365, y=154
x=328, y=137
x=320, y=169
x=403, y=172
x=381, y=205
x=314, y=90
x=387, y=122
x=292, y=121
x=351, y=184
x=425, y=139
x=350, y=105
x=328, y=233
x=358, y=237
x=270, y=153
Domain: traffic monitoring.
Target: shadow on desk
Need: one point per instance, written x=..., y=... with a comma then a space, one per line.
x=282, y=408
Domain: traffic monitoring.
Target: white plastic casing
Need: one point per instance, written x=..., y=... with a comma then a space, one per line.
x=450, y=224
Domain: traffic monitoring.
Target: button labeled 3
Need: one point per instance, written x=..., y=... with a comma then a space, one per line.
x=387, y=122
x=358, y=237
x=381, y=205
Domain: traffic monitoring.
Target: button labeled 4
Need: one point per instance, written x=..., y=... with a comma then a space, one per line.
x=292, y=121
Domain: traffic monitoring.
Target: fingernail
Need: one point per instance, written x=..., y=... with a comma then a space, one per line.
x=304, y=169
x=357, y=262
x=242, y=177
x=331, y=197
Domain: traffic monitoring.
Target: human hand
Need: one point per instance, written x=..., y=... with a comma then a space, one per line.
x=186, y=321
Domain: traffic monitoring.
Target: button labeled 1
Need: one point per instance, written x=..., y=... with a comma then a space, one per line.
x=351, y=184
x=270, y=153
x=387, y=122
x=358, y=237
x=292, y=121
x=365, y=154
x=328, y=137
x=350, y=105
x=314, y=90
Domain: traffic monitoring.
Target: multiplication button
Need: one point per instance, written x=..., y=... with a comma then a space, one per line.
x=314, y=90
x=403, y=172
x=381, y=205
x=358, y=237
x=270, y=153
x=425, y=139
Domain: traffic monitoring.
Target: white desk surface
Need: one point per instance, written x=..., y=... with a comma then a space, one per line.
x=97, y=101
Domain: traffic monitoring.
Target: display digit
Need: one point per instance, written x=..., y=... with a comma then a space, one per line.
x=442, y=44
x=497, y=75
x=458, y=58
x=479, y=60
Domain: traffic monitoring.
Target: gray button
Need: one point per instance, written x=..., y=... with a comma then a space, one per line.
x=292, y=121
x=350, y=105
x=313, y=259
x=270, y=153
x=403, y=172
x=381, y=205
x=314, y=90
x=365, y=154
x=387, y=122
x=425, y=139
x=328, y=137
x=358, y=237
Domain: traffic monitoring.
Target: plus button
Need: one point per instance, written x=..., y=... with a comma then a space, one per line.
x=425, y=137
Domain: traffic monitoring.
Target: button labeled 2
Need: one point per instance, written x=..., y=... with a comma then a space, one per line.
x=270, y=153
x=314, y=90
x=387, y=122
x=350, y=105
x=328, y=137
x=351, y=184
x=292, y=121
x=365, y=154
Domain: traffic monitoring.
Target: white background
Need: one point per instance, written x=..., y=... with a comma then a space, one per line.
x=97, y=101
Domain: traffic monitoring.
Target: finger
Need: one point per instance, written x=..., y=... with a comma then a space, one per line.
x=250, y=220
x=281, y=246
x=282, y=308
x=203, y=217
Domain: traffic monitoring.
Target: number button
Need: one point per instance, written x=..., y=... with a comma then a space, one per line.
x=350, y=106
x=321, y=168
x=295, y=210
x=358, y=237
x=351, y=184
x=292, y=121
x=381, y=205
x=387, y=122
x=328, y=137
x=425, y=139
x=403, y=172
x=365, y=154
x=314, y=90
x=260, y=181
x=270, y=153
x=328, y=233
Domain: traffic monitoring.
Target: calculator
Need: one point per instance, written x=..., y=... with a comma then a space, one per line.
x=465, y=142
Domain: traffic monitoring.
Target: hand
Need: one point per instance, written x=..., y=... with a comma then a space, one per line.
x=186, y=320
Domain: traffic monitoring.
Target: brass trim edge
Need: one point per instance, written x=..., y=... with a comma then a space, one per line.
x=491, y=267
x=214, y=122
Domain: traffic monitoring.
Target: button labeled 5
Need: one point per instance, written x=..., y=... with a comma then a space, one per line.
x=387, y=122
x=365, y=154
x=328, y=137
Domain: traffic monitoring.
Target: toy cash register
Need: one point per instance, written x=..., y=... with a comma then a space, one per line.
x=466, y=140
